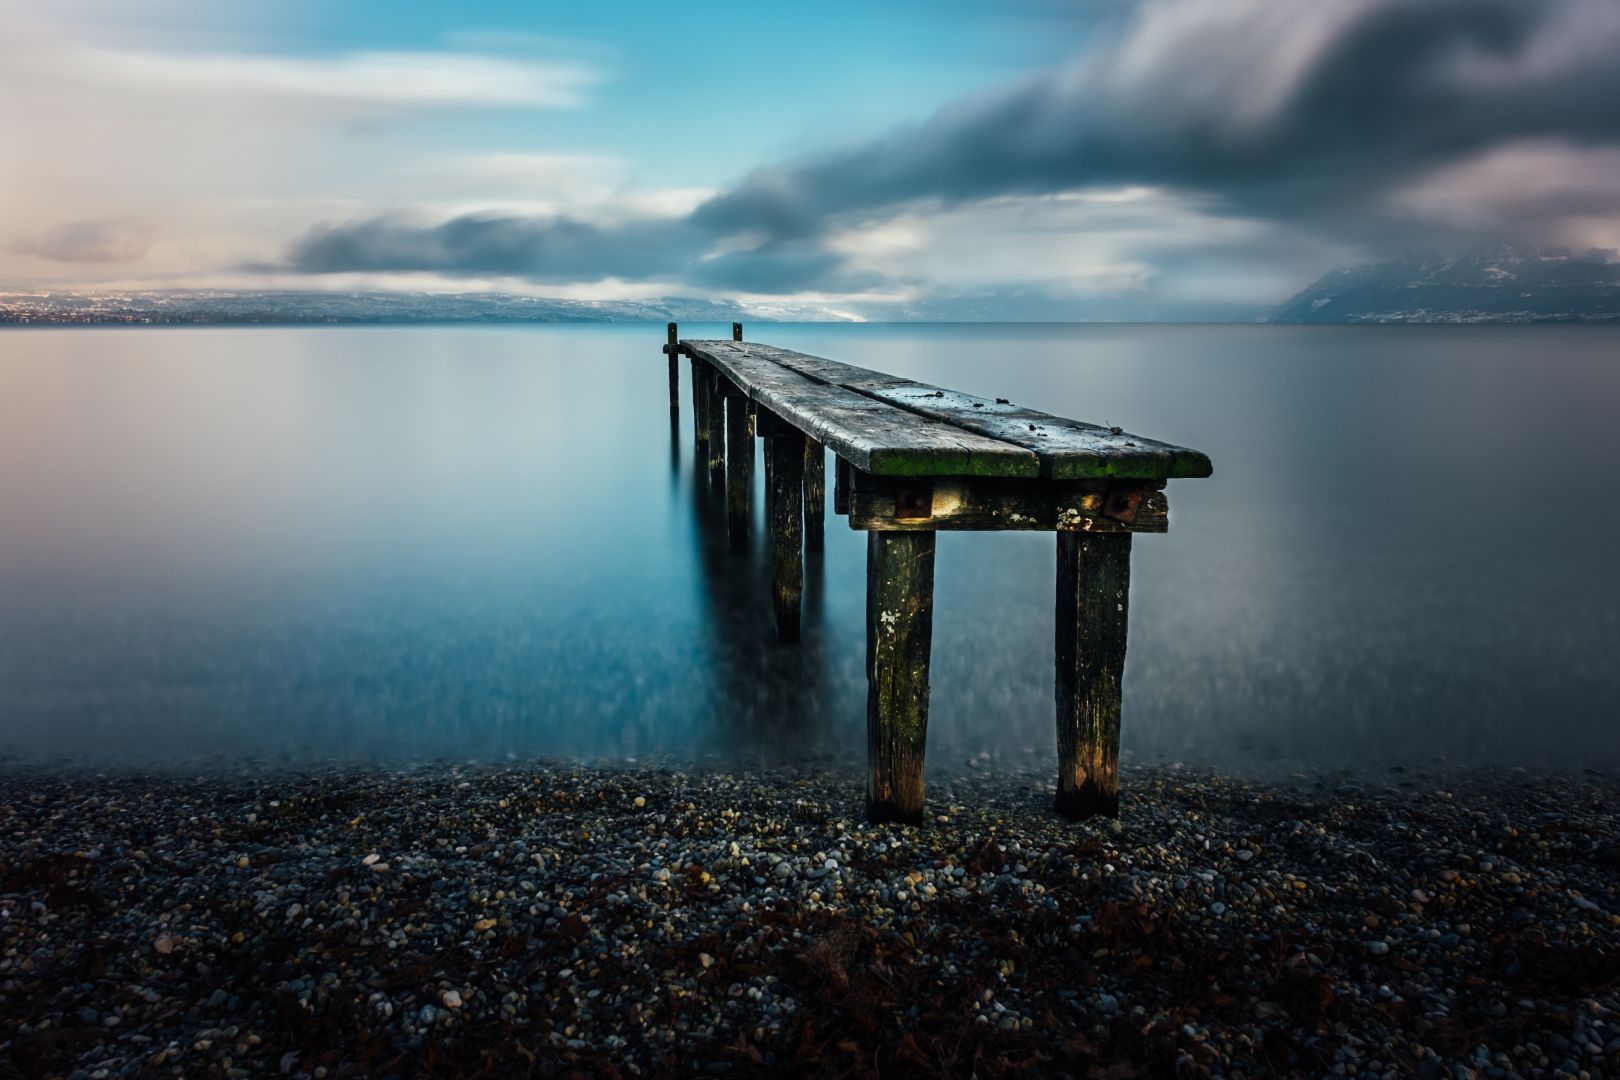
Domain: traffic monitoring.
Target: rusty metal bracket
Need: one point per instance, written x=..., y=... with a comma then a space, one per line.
x=1121, y=503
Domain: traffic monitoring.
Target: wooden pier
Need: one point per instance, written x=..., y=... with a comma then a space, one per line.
x=912, y=460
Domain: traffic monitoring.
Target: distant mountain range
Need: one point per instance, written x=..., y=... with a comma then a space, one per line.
x=212, y=306
x=1499, y=284
x=311, y=307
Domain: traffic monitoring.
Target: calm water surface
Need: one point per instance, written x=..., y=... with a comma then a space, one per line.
x=405, y=543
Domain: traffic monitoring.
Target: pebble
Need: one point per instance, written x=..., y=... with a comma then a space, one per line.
x=246, y=924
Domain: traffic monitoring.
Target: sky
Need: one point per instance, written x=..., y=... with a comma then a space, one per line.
x=1020, y=159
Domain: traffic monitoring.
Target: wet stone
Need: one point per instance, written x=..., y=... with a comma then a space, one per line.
x=550, y=918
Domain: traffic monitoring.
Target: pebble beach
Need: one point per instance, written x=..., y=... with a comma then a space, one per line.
x=548, y=919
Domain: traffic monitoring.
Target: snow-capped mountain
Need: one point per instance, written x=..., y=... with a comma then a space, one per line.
x=212, y=306
x=1501, y=283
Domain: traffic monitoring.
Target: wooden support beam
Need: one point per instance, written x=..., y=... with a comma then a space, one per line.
x=736, y=331
x=815, y=495
x=899, y=636
x=674, y=373
x=1093, y=593
x=990, y=504
x=784, y=473
x=841, y=482
x=739, y=468
x=716, y=409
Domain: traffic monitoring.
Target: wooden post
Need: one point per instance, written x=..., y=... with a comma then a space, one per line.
x=739, y=469
x=736, y=331
x=815, y=494
x=785, y=473
x=769, y=472
x=841, y=481
x=674, y=376
x=1093, y=587
x=717, y=431
x=899, y=635
x=700, y=410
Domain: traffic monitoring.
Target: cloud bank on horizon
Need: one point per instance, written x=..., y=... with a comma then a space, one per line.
x=1189, y=154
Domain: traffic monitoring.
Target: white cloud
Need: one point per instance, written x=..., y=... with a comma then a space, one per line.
x=135, y=145
x=1105, y=242
x=380, y=78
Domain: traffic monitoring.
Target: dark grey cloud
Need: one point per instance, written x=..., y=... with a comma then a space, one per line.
x=1195, y=95
x=1308, y=113
x=540, y=249
x=562, y=250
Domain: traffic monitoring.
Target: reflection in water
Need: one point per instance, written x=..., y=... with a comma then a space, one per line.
x=761, y=693
x=399, y=543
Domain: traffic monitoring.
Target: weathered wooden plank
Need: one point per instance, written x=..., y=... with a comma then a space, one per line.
x=739, y=468
x=786, y=523
x=1068, y=449
x=872, y=435
x=673, y=351
x=997, y=505
x=899, y=637
x=1093, y=594
x=815, y=495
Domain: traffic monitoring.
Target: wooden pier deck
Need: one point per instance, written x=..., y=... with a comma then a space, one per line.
x=912, y=460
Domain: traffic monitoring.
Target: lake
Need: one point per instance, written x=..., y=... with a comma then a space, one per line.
x=395, y=544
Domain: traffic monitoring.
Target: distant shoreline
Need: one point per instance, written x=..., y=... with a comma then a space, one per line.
x=310, y=323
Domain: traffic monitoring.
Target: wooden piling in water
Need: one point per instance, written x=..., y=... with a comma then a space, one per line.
x=739, y=468
x=717, y=430
x=899, y=636
x=1093, y=600
x=784, y=510
x=700, y=404
x=815, y=495
x=674, y=375
x=913, y=460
